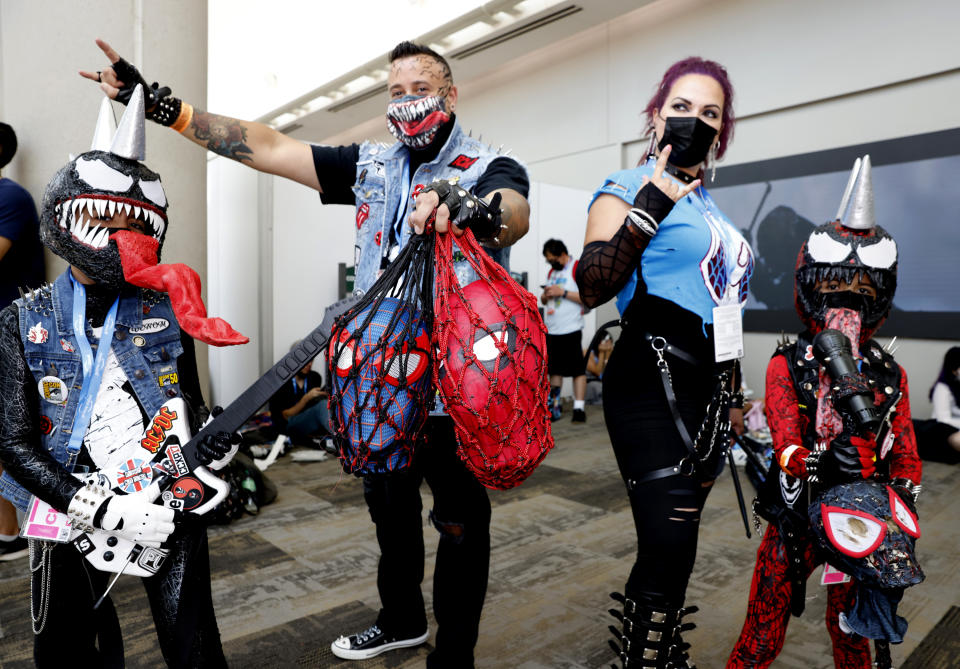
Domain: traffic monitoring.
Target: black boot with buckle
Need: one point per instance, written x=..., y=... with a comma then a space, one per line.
x=651, y=634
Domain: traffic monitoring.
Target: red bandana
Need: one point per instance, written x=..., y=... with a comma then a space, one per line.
x=138, y=256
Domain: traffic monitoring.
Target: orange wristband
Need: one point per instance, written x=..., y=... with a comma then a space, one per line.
x=183, y=120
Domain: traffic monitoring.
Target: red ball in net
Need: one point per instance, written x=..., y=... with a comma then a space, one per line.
x=493, y=378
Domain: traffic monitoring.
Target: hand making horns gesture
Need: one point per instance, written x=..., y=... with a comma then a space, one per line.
x=671, y=188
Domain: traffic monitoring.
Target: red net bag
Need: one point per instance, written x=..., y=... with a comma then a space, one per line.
x=491, y=369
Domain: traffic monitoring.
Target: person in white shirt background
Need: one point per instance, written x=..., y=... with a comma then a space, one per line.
x=563, y=316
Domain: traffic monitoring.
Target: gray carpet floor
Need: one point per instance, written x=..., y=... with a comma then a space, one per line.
x=290, y=580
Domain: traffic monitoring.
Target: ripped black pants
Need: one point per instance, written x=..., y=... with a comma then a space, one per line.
x=461, y=511
x=666, y=511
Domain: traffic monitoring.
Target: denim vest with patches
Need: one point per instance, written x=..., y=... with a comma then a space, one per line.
x=146, y=343
x=380, y=190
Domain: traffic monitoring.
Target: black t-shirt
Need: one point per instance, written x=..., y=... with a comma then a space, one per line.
x=289, y=394
x=337, y=172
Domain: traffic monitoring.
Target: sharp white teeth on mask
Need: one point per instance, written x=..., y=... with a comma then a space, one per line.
x=112, y=208
x=101, y=239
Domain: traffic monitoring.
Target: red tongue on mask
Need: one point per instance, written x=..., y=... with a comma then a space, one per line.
x=138, y=256
x=829, y=424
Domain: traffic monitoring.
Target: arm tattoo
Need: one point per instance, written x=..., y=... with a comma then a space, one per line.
x=223, y=135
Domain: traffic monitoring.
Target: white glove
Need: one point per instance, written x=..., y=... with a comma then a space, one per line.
x=132, y=517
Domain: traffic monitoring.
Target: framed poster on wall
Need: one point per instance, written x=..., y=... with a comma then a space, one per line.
x=778, y=202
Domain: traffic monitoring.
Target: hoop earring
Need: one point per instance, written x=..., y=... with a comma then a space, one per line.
x=712, y=160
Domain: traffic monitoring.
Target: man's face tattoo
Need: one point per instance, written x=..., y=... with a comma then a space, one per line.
x=421, y=100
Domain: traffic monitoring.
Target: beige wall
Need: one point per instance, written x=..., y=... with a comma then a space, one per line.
x=53, y=110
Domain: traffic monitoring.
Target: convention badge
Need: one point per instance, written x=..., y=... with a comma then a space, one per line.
x=150, y=325
x=832, y=575
x=727, y=332
x=53, y=389
x=45, y=523
x=37, y=334
x=887, y=444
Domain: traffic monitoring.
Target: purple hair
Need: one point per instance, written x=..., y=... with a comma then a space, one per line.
x=697, y=65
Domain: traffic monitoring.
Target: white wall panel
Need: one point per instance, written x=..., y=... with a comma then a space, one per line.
x=233, y=275
x=309, y=240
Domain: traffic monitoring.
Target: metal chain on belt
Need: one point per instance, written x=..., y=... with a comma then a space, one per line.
x=39, y=621
x=715, y=408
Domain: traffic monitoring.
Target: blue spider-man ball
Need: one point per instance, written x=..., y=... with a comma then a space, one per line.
x=378, y=369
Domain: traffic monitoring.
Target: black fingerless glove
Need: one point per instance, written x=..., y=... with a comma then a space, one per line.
x=468, y=210
x=216, y=446
x=219, y=447
x=159, y=105
x=654, y=202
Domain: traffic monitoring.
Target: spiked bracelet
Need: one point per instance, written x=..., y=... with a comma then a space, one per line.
x=87, y=505
x=167, y=111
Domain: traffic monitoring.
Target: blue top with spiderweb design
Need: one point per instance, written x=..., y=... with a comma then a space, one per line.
x=697, y=259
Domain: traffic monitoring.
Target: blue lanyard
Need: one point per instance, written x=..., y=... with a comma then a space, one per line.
x=92, y=367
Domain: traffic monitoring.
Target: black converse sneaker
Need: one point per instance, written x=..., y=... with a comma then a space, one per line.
x=372, y=642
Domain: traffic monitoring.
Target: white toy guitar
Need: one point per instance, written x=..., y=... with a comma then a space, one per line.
x=163, y=465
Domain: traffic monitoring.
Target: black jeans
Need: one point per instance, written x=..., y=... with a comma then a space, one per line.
x=461, y=513
x=180, y=600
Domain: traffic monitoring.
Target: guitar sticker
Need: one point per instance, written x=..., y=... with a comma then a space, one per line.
x=136, y=475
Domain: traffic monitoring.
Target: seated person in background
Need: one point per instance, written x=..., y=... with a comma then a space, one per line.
x=299, y=408
x=597, y=354
x=938, y=439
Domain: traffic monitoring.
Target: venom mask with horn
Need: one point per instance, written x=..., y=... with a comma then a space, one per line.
x=94, y=186
x=105, y=213
x=852, y=245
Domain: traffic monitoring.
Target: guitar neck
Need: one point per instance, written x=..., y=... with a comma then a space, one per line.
x=254, y=397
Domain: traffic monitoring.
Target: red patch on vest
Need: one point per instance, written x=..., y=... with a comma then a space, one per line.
x=46, y=425
x=377, y=237
x=363, y=213
x=162, y=422
x=463, y=162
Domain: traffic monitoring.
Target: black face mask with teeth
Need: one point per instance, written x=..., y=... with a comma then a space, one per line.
x=94, y=187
